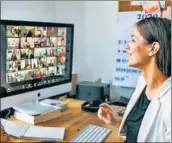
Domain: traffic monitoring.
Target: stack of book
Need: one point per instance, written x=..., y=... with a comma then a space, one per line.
x=39, y=111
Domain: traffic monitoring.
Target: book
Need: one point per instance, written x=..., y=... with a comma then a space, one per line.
x=40, y=107
x=39, y=111
x=32, y=132
x=32, y=108
x=35, y=119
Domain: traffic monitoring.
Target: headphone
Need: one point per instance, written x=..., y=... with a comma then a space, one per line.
x=91, y=107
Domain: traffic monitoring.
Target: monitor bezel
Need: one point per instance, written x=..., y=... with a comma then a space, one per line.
x=37, y=23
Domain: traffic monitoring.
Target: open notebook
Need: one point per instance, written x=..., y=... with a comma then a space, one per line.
x=34, y=132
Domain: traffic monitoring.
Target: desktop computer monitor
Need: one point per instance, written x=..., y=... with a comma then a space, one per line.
x=36, y=60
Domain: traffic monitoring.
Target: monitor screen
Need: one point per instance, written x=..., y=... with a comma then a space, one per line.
x=35, y=55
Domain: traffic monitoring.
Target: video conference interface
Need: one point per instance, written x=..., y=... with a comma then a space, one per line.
x=34, y=52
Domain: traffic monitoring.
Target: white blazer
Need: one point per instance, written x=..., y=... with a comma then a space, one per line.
x=156, y=123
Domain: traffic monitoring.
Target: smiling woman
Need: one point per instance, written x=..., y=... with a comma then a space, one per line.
x=148, y=113
x=137, y=53
x=157, y=33
x=151, y=43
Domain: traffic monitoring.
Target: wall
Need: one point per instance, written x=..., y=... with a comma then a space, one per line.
x=100, y=29
x=27, y=10
x=100, y=42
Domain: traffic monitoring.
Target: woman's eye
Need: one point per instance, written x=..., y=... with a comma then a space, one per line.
x=132, y=40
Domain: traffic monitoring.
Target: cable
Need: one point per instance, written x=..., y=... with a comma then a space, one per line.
x=9, y=111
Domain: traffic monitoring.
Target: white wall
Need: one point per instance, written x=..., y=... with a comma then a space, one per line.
x=100, y=30
x=28, y=10
x=95, y=29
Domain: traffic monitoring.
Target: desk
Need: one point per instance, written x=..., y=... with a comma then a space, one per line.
x=74, y=119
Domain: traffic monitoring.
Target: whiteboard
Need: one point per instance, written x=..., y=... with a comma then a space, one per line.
x=124, y=75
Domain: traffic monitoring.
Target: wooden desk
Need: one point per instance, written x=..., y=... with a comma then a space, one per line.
x=74, y=119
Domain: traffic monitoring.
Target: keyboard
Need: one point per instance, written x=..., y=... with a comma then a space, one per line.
x=91, y=133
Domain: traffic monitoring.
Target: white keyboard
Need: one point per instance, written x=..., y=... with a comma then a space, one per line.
x=91, y=133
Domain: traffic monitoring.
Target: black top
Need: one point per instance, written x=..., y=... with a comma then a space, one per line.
x=135, y=117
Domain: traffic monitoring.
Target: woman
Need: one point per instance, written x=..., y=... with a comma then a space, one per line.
x=27, y=65
x=148, y=114
x=14, y=66
x=26, y=44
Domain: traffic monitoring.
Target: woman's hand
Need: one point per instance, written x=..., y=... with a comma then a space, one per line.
x=106, y=113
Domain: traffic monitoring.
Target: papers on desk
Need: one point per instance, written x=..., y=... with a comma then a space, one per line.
x=11, y=128
x=34, y=132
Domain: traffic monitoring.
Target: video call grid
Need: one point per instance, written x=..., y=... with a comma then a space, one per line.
x=31, y=47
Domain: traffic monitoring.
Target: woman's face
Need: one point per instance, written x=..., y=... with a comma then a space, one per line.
x=30, y=52
x=26, y=62
x=13, y=64
x=137, y=50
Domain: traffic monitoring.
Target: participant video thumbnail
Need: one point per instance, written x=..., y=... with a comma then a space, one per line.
x=13, y=77
x=52, y=42
x=13, y=43
x=62, y=32
x=41, y=32
x=27, y=31
x=58, y=51
x=40, y=42
x=52, y=32
x=13, y=31
x=60, y=60
x=13, y=54
x=26, y=75
x=26, y=64
x=40, y=73
x=61, y=51
x=61, y=41
x=27, y=42
x=39, y=63
x=27, y=53
x=12, y=66
x=51, y=61
x=61, y=69
x=40, y=52
x=52, y=71
x=51, y=52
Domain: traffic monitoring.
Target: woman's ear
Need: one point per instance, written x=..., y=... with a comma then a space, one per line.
x=153, y=50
